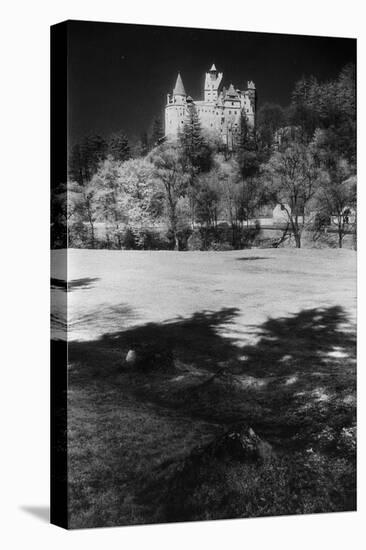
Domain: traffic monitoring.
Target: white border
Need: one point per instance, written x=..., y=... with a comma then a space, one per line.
x=25, y=263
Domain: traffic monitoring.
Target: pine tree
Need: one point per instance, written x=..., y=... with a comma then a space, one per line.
x=85, y=157
x=157, y=132
x=118, y=146
x=247, y=153
x=196, y=155
x=144, y=144
x=195, y=151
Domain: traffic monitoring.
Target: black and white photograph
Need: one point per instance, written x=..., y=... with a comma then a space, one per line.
x=203, y=274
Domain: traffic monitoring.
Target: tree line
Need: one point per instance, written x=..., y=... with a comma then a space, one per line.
x=156, y=193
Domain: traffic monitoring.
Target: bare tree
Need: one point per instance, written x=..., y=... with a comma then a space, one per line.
x=293, y=180
x=337, y=199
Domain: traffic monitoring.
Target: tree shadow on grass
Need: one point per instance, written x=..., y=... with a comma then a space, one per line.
x=300, y=365
x=194, y=341
x=295, y=386
x=75, y=284
x=303, y=372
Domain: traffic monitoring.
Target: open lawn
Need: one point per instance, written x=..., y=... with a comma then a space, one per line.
x=263, y=338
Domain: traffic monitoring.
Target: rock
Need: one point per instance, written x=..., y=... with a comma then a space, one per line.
x=131, y=358
x=150, y=358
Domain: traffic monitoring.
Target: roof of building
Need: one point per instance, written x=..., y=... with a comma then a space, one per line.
x=213, y=68
x=179, y=88
x=231, y=91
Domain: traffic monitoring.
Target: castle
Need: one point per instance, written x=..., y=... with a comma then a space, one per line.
x=219, y=111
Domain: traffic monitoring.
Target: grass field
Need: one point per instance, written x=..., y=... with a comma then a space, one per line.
x=278, y=325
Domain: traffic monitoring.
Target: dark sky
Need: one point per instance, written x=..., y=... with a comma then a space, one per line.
x=119, y=74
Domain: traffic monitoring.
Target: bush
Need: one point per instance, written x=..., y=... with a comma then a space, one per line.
x=220, y=246
x=195, y=241
x=128, y=239
x=79, y=235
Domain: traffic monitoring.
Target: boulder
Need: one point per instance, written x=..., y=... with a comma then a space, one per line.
x=150, y=358
x=131, y=358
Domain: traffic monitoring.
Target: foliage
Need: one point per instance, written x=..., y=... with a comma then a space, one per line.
x=302, y=157
x=118, y=146
x=196, y=152
x=270, y=118
x=337, y=197
x=170, y=174
x=157, y=133
x=293, y=180
x=85, y=158
x=330, y=106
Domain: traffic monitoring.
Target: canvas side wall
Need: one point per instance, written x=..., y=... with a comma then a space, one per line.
x=58, y=355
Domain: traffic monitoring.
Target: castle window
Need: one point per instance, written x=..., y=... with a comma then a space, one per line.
x=229, y=112
x=232, y=103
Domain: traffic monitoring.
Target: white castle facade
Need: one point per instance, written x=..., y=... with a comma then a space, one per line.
x=219, y=112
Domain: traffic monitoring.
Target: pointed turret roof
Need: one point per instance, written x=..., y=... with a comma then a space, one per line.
x=231, y=91
x=179, y=88
x=213, y=68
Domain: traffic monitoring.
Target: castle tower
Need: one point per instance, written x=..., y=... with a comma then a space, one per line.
x=212, y=83
x=175, y=109
x=251, y=103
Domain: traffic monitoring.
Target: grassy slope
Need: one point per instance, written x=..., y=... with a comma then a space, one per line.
x=280, y=326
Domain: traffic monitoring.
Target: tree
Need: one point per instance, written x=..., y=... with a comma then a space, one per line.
x=293, y=180
x=250, y=196
x=157, y=132
x=85, y=158
x=81, y=213
x=143, y=200
x=109, y=196
x=208, y=199
x=141, y=147
x=330, y=107
x=337, y=197
x=247, y=154
x=196, y=154
x=59, y=217
x=229, y=178
x=249, y=189
x=270, y=118
x=118, y=147
x=170, y=173
x=303, y=112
